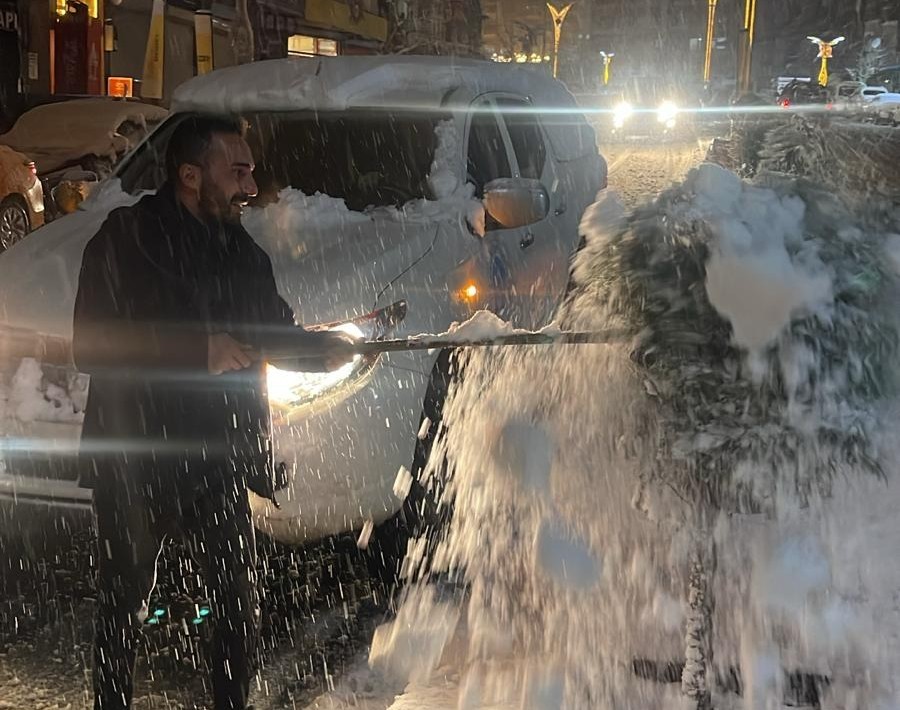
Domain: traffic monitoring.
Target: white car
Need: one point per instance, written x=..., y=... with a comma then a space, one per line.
x=885, y=108
x=397, y=195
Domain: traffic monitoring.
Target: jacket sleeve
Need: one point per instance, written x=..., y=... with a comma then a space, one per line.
x=280, y=332
x=109, y=332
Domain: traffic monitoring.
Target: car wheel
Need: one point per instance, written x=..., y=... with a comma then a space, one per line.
x=14, y=221
x=422, y=512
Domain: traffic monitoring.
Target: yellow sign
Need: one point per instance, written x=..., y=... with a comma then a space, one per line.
x=121, y=86
x=203, y=41
x=152, y=80
x=331, y=14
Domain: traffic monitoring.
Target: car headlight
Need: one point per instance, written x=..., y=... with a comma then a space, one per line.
x=666, y=113
x=297, y=394
x=621, y=114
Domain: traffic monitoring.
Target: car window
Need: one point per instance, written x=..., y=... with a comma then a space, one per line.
x=486, y=156
x=525, y=136
x=366, y=158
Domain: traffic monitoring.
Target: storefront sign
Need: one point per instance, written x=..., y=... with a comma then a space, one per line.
x=9, y=18
x=335, y=15
x=152, y=79
x=121, y=86
x=203, y=41
x=9, y=51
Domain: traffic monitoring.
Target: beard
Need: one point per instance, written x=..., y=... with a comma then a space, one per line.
x=216, y=206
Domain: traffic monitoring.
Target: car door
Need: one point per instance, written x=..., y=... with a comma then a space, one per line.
x=501, y=255
x=545, y=246
x=527, y=267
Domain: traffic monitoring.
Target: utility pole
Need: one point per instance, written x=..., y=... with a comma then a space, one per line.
x=746, y=64
x=710, y=39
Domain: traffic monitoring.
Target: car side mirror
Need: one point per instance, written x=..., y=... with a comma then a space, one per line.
x=516, y=202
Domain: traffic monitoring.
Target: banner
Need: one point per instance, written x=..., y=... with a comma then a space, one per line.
x=152, y=80
x=9, y=54
x=203, y=41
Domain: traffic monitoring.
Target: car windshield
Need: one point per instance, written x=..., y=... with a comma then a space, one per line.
x=368, y=159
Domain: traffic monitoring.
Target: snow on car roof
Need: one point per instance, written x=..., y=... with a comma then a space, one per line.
x=338, y=83
x=58, y=133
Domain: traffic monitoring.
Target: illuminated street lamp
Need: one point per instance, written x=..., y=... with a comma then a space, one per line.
x=559, y=16
x=826, y=52
x=607, y=63
x=710, y=37
x=746, y=64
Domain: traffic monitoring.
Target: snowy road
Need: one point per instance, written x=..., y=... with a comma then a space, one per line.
x=321, y=609
x=638, y=170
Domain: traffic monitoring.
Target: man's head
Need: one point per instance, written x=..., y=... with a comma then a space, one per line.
x=211, y=166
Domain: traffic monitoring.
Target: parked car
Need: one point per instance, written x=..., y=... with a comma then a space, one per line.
x=397, y=196
x=21, y=197
x=80, y=141
x=869, y=93
x=885, y=109
x=799, y=92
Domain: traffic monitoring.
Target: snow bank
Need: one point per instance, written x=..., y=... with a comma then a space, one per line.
x=32, y=398
x=725, y=479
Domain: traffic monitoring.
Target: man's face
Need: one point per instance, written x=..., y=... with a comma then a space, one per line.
x=226, y=178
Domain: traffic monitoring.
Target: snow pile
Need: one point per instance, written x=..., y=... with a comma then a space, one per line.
x=295, y=220
x=860, y=162
x=718, y=493
x=482, y=326
x=33, y=398
x=751, y=278
x=299, y=225
x=58, y=134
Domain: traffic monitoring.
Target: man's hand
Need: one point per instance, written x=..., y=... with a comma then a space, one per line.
x=338, y=347
x=225, y=354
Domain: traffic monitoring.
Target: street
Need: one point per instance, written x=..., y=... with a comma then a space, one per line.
x=320, y=606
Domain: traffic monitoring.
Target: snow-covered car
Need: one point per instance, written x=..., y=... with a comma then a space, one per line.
x=397, y=195
x=80, y=140
x=21, y=197
x=871, y=92
x=885, y=108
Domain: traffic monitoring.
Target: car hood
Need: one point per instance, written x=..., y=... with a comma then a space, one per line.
x=330, y=263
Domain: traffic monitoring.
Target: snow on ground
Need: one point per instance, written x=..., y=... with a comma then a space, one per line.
x=590, y=531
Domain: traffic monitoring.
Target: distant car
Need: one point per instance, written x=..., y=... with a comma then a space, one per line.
x=80, y=140
x=646, y=109
x=885, y=109
x=397, y=195
x=870, y=93
x=21, y=197
x=798, y=93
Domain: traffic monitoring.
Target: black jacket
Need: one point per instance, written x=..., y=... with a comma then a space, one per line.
x=154, y=283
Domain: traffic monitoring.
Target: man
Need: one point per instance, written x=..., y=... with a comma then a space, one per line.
x=174, y=303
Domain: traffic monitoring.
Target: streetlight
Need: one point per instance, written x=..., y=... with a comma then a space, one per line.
x=826, y=52
x=559, y=16
x=607, y=63
x=710, y=38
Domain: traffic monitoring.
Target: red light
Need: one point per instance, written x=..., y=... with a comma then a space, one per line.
x=785, y=103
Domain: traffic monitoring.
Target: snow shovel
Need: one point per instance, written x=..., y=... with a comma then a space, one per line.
x=375, y=347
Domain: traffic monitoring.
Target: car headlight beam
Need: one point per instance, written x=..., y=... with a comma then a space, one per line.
x=667, y=113
x=622, y=113
x=293, y=394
